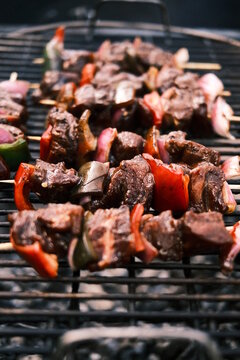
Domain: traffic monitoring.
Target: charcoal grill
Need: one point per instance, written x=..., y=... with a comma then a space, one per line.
x=35, y=312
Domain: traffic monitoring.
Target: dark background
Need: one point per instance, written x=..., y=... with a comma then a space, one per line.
x=191, y=13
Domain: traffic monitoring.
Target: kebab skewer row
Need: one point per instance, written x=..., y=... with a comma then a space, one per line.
x=110, y=237
x=143, y=178
x=125, y=53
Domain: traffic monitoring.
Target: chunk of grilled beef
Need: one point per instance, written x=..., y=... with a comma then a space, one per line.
x=184, y=108
x=204, y=233
x=74, y=60
x=135, y=57
x=166, y=77
x=164, y=233
x=206, y=188
x=54, y=227
x=127, y=145
x=109, y=231
x=64, y=142
x=110, y=75
x=130, y=183
x=11, y=112
x=52, y=83
x=147, y=54
x=190, y=152
x=53, y=182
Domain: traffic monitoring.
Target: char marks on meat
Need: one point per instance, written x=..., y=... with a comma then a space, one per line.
x=110, y=234
x=204, y=233
x=190, y=152
x=166, y=77
x=52, y=183
x=130, y=183
x=127, y=145
x=164, y=233
x=74, y=60
x=64, y=142
x=205, y=188
x=54, y=227
x=52, y=83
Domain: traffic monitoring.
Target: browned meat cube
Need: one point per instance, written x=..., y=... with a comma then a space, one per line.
x=127, y=145
x=110, y=234
x=52, y=183
x=164, y=233
x=54, y=227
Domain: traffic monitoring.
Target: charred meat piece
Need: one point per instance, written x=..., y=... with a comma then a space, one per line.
x=114, y=53
x=64, y=137
x=130, y=183
x=54, y=227
x=184, y=109
x=11, y=112
x=166, y=77
x=204, y=233
x=164, y=233
x=53, y=182
x=74, y=60
x=148, y=54
x=52, y=83
x=127, y=145
x=190, y=152
x=206, y=188
x=109, y=232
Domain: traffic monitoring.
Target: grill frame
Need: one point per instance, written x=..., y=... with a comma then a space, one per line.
x=43, y=323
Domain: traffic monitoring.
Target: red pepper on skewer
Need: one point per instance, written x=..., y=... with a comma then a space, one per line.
x=45, y=264
x=154, y=104
x=144, y=249
x=45, y=143
x=151, y=145
x=88, y=73
x=22, y=187
x=171, y=186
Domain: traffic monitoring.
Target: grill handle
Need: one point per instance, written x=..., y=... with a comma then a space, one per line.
x=87, y=337
x=93, y=14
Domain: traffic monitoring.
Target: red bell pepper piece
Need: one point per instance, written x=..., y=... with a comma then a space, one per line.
x=22, y=187
x=154, y=104
x=151, y=145
x=144, y=249
x=171, y=186
x=45, y=264
x=45, y=143
x=59, y=34
x=88, y=73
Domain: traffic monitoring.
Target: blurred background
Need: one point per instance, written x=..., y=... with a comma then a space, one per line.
x=191, y=13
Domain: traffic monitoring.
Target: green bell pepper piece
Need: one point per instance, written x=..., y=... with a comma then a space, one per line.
x=15, y=153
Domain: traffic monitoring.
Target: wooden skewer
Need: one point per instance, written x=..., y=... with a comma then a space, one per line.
x=10, y=181
x=34, y=138
x=226, y=93
x=234, y=118
x=34, y=86
x=48, y=102
x=188, y=65
x=234, y=186
x=38, y=61
x=201, y=66
x=6, y=246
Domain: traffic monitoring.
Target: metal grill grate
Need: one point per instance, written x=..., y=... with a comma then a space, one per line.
x=34, y=312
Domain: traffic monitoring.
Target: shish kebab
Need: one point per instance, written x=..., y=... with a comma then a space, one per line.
x=111, y=237
x=124, y=171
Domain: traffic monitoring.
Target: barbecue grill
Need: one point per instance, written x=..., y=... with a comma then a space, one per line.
x=35, y=312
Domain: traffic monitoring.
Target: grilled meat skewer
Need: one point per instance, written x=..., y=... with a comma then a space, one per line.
x=110, y=237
